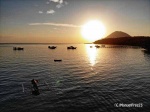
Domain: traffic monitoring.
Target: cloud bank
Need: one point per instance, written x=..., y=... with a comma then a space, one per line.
x=57, y=1
x=59, y=4
x=40, y=12
x=50, y=11
x=56, y=24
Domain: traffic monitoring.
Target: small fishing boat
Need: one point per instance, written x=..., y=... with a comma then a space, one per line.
x=71, y=47
x=97, y=46
x=18, y=48
x=103, y=45
x=52, y=47
x=146, y=47
x=56, y=60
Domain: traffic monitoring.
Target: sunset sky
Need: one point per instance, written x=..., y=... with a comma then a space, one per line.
x=60, y=21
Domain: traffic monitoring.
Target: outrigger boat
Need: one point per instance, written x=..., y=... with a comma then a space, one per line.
x=71, y=47
x=97, y=46
x=57, y=60
x=18, y=48
x=52, y=47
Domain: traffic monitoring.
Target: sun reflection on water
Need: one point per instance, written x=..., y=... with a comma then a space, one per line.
x=92, y=53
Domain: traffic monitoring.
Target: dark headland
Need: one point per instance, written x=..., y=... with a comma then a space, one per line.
x=121, y=38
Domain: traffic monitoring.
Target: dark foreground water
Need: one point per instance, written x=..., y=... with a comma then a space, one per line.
x=87, y=79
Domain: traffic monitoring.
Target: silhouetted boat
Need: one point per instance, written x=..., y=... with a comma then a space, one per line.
x=71, y=47
x=56, y=60
x=97, y=46
x=103, y=46
x=18, y=48
x=147, y=48
x=52, y=47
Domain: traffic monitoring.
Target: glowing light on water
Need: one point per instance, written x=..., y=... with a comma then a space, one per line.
x=92, y=53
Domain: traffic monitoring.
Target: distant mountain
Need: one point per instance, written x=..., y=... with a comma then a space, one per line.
x=118, y=34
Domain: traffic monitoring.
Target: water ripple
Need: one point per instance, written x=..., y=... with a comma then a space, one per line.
x=81, y=82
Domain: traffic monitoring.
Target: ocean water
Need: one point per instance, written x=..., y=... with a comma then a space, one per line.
x=87, y=79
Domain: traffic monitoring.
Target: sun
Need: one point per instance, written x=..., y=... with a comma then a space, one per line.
x=93, y=30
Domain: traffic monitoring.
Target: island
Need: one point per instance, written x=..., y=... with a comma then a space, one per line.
x=121, y=38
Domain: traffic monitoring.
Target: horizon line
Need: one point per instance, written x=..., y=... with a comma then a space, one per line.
x=48, y=43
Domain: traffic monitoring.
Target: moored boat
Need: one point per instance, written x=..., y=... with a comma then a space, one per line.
x=52, y=47
x=97, y=46
x=147, y=48
x=103, y=45
x=18, y=48
x=71, y=47
x=57, y=60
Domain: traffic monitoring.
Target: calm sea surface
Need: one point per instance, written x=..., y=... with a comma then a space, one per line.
x=87, y=79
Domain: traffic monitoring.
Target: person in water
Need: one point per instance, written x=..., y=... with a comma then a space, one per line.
x=35, y=89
